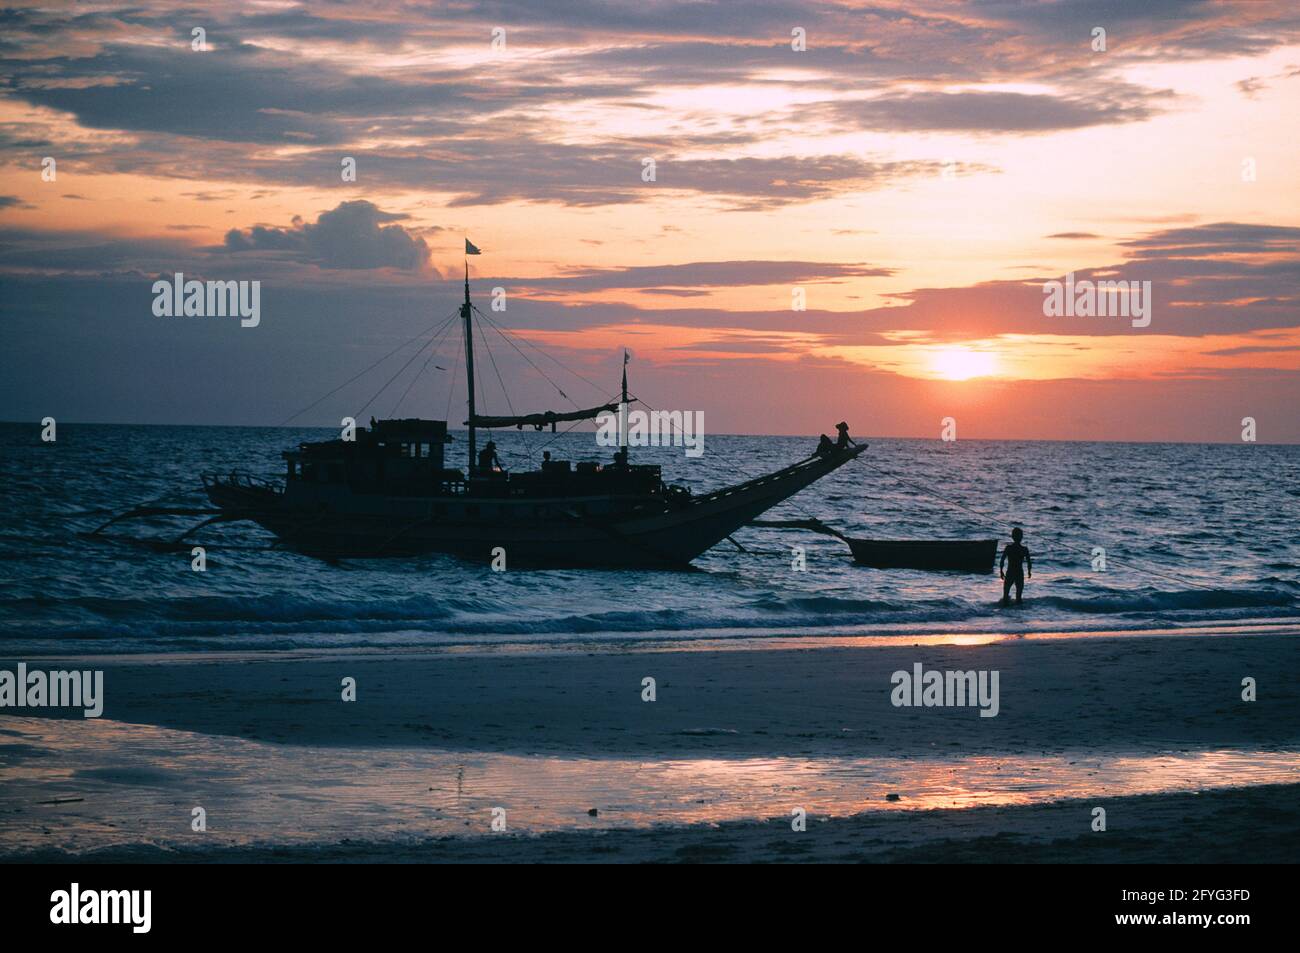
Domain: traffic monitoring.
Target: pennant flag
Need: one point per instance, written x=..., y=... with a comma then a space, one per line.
x=470, y=249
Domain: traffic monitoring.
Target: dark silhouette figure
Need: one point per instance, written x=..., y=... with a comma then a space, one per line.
x=488, y=459
x=843, y=441
x=825, y=446
x=1015, y=560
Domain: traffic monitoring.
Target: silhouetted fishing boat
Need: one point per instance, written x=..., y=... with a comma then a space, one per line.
x=389, y=492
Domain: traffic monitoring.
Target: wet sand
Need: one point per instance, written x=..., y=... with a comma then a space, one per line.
x=1241, y=826
x=1122, y=693
x=1098, y=721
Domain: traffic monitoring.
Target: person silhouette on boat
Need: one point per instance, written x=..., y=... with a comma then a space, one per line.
x=826, y=447
x=488, y=461
x=844, y=441
x=1011, y=568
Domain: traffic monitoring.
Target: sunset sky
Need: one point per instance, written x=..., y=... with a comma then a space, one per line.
x=917, y=172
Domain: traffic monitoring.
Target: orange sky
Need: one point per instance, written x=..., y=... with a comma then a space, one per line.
x=914, y=179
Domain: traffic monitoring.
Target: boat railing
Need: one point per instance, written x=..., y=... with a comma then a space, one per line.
x=243, y=480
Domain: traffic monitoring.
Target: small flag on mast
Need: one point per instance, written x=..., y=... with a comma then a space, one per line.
x=470, y=248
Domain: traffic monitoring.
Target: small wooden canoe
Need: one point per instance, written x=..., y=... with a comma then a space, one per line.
x=966, y=555
x=963, y=555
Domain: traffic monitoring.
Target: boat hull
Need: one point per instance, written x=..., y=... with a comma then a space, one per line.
x=589, y=532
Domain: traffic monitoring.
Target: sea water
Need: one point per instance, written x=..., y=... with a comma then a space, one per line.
x=1123, y=536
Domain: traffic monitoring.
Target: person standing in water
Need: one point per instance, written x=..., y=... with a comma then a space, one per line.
x=1015, y=560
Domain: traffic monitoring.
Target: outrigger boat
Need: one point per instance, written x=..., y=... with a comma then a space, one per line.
x=958, y=555
x=936, y=555
x=389, y=492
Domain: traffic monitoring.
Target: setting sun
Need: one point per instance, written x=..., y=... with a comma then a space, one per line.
x=961, y=363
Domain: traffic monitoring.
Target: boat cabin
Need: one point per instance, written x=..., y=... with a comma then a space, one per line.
x=394, y=456
x=407, y=458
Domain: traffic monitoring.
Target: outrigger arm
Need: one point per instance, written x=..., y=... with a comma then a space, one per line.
x=141, y=512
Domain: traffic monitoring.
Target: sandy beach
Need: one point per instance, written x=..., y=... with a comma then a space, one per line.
x=1128, y=692
x=1154, y=729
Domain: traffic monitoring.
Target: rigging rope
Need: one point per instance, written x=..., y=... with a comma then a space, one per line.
x=359, y=374
x=455, y=375
x=492, y=358
x=533, y=451
x=546, y=376
x=433, y=352
x=482, y=392
x=546, y=354
x=411, y=360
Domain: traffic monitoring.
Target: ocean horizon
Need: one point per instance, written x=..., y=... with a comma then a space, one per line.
x=1192, y=535
x=323, y=430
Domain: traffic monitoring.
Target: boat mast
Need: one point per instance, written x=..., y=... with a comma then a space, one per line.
x=469, y=369
x=623, y=415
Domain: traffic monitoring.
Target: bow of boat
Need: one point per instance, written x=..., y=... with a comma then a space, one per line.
x=683, y=533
